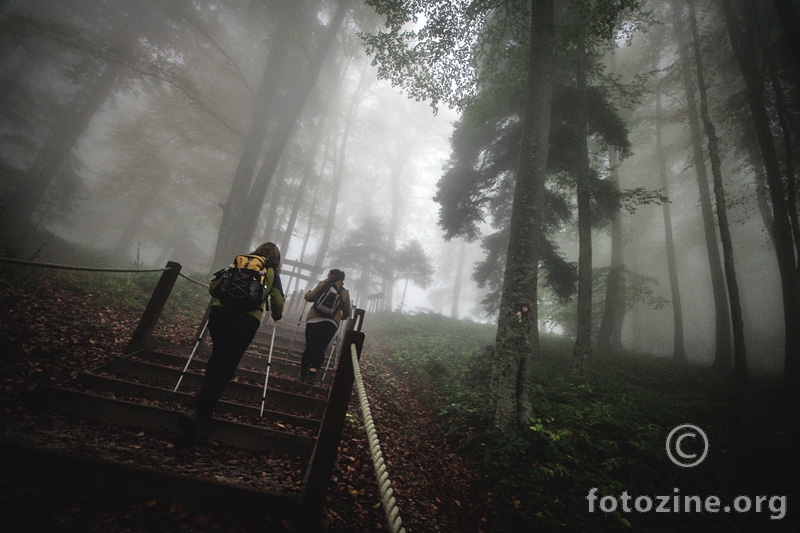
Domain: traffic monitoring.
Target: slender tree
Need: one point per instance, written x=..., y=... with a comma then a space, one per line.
x=739, y=349
x=746, y=50
x=262, y=111
x=462, y=247
x=582, y=350
x=722, y=333
x=678, y=347
x=239, y=234
x=412, y=264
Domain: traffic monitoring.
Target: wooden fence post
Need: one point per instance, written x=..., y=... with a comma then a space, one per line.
x=320, y=467
x=154, y=308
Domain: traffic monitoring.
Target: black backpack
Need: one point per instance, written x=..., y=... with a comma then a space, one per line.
x=241, y=286
x=329, y=300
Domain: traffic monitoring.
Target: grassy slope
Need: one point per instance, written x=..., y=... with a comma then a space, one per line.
x=605, y=430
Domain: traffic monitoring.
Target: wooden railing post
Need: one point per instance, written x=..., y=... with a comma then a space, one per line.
x=320, y=467
x=154, y=308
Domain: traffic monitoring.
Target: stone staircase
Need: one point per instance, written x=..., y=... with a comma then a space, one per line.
x=133, y=396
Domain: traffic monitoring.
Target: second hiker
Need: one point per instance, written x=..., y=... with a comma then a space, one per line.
x=331, y=304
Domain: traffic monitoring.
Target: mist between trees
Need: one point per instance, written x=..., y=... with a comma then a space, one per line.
x=647, y=149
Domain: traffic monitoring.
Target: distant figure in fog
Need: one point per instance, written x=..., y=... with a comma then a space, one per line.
x=232, y=331
x=331, y=304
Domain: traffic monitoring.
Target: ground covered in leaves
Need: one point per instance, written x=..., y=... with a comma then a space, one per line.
x=49, y=334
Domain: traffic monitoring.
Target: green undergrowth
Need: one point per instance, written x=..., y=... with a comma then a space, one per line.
x=605, y=430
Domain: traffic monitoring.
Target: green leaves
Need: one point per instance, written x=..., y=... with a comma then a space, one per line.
x=428, y=48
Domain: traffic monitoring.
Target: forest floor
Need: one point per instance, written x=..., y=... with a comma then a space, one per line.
x=50, y=335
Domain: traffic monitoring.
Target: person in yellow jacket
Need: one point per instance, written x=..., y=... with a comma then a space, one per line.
x=321, y=324
x=232, y=331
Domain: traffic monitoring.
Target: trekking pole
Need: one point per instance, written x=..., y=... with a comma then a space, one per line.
x=269, y=359
x=196, y=344
x=332, y=353
x=297, y=328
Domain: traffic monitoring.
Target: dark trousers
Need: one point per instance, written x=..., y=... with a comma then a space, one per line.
x=318, y=336
x=231, y=334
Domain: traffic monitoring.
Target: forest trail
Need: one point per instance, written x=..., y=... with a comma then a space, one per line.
x=56, y=339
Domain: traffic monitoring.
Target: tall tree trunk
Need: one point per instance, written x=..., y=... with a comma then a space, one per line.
x=745, y=50
x=55, y=151
x=462, y=247
x=762, y=195
x=247, y=220
x=272, y=226
x=784, y=116
x=791, y=27
x=609, y=336
x=307, y=237
x=263, y=109
x=582, y=351
x=739, y=349
x=678, y=347
x=613, y=308
x=403, y=298
x=397, y=186
x=722, y=336
x=308, y=175
x=517, y=332
x=339, y=171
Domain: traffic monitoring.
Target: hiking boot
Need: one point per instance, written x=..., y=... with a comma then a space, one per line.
x=190, y=426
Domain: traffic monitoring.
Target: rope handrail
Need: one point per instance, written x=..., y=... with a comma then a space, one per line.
x=384, y=484
x=83, y=268
x=181, y=274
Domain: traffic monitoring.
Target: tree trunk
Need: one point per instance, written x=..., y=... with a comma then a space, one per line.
x=582, y=351
x=55, y=151
x=398, y=186
x=722, y=337
x=308, y=175
x=739, y=349
x=247, y=220
x=272, y=227
x=517, y=332
x=745, y=51
x=614, y=306
x=263, y=108
x=462, y=247
x=403, y=298
x=791, y=27
x=784, y=116
x=762, y=195
x=609, y=336
x=678, y=347
x=338, y=177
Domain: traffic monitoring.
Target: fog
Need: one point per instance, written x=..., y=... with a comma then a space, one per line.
x=149, y=157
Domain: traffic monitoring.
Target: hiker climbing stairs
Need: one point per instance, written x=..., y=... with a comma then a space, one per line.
x=276, y=438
